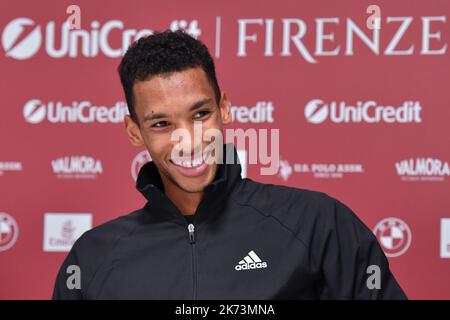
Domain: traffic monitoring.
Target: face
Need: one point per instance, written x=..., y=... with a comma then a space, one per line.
x=168, y=102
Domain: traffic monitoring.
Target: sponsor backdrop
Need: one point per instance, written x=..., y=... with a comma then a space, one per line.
x=362, y=110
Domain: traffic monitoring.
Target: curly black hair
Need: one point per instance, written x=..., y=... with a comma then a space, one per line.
x=162, y=53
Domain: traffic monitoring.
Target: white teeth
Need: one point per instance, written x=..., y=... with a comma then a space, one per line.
x=190, y=164
x=197, y=162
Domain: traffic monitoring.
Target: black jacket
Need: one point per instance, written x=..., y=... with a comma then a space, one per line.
x=248, y=240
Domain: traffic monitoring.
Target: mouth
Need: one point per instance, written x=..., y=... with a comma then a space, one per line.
x=193, y=167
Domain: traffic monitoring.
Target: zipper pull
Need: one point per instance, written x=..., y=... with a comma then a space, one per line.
x=191, y=233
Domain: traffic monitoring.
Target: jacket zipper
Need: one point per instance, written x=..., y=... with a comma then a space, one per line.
x=191, y=229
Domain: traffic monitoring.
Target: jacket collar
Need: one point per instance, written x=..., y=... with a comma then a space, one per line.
x=228, y=175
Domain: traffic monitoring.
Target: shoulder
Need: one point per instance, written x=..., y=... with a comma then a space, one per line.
x=91, y=251
x=307, y=213
x=103, y=237
x=282, y=201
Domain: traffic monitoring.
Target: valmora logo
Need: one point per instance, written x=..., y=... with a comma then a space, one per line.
x=422, y=169
x=77, y=167
x=21, y=43
x=35, y=111
x=317, y=111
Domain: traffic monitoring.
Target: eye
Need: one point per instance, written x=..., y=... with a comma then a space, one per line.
x=160, y=124
x=201, y=114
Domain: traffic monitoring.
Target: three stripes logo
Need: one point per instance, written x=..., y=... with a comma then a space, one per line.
x=250, y=261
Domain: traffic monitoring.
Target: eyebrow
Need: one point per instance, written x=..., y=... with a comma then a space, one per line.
x=195, y=106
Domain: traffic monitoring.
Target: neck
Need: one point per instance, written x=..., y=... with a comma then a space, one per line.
x=186, y=202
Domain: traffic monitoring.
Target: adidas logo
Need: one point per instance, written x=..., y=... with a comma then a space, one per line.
x=250, y=261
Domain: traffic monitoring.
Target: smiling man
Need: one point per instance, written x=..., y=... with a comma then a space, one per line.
x=174, y=101
x=204, y=232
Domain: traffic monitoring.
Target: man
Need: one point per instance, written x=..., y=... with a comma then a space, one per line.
x=206, y=233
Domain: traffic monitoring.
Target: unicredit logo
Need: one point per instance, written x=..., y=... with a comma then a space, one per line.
x=35, y=111
x=22, y=39
x=317, y=111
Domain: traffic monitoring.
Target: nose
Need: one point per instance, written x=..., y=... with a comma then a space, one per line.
x=187, y=140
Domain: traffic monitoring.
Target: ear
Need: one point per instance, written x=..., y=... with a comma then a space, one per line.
x=133, y=132
x=225, y=109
